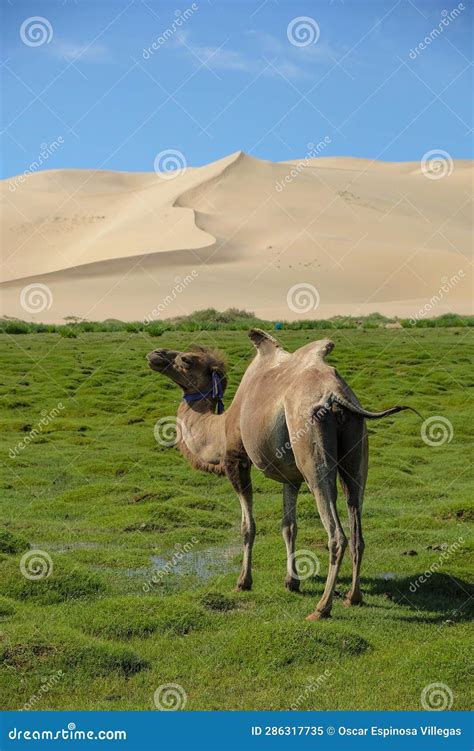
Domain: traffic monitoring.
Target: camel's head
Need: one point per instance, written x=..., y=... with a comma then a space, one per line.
x=192, y=370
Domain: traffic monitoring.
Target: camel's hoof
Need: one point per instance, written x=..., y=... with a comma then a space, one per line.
x=318, y=615
x=243, y=587
x=293, y=585
x=349, y=602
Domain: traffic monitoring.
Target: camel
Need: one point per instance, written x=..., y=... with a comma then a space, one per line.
x=295, y=419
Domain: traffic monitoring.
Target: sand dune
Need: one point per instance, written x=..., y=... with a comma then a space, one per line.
x=368, y=236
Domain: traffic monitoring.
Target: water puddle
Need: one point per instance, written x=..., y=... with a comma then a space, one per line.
x=203, y=564
x=169, y=568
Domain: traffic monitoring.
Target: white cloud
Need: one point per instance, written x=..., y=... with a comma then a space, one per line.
x=223, y=59
x=74, y=51
x=269, y=55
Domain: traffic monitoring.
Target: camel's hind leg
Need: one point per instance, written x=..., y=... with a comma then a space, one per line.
x=353, y=463
x=289, y=529
x=325, y=493
x=316, y=460
x=237, y=469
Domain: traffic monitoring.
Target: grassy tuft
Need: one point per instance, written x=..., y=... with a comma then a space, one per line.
x=135, y=616
x=66, y=582
x=290, y=643
x=11, y=543
x=218, y=601
x=7, y=607
x=68, y=651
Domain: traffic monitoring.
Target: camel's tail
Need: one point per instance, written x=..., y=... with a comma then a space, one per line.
x=348, y=404
x=321, y=410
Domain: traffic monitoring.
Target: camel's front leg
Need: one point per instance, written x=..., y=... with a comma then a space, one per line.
x=289, y=529
x=237, y=468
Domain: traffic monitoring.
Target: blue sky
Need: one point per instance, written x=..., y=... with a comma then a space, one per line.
x=231, y=77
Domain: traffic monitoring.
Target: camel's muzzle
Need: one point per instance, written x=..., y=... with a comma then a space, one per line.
x=160, y=359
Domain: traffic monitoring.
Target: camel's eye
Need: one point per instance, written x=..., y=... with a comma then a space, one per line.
x=187, y=359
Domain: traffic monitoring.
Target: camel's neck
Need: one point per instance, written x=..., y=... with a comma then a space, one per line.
x=202, y=434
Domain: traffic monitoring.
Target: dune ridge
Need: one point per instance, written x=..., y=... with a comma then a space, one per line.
x=368, y=236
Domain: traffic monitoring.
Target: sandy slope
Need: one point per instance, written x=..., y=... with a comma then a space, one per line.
x=369, y=236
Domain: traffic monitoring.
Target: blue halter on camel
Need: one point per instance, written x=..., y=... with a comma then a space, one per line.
x=215, y=392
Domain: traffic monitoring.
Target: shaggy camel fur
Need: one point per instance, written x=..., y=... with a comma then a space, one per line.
x=296, y=420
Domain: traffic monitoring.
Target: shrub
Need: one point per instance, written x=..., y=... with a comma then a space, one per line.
x=232, y=319
x=16, y=327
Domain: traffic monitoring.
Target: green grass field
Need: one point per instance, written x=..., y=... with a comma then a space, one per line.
x=94, y=491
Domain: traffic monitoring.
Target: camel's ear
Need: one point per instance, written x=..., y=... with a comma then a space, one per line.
x=219, y=369
x=264, y=342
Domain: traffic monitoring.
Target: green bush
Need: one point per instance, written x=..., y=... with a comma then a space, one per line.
x=68, y=333
x=155, y=329
x=15, y=327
